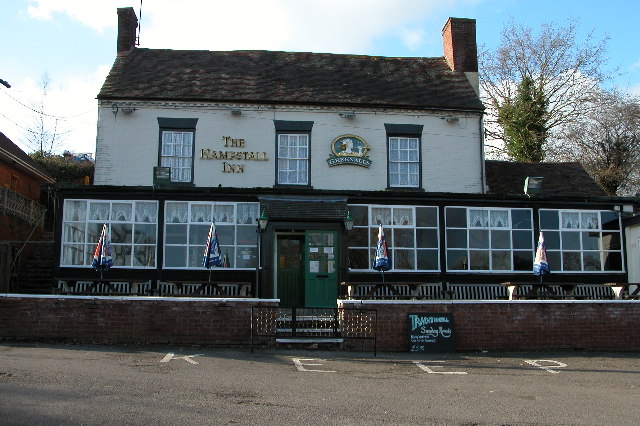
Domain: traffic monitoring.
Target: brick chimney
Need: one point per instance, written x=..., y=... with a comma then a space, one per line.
x=460, y=50
x=127, y=25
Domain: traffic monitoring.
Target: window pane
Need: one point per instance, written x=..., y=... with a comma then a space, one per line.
x=427, y=216
x=403, y=238
x=521, y=219
x=499, y=218
x=428, y=260
x=246, y=257
x=611, y=241
x=427, y=238
x=590, y=240
x=479, y=260
x=75, y=210
x=523, y=261
x=478, y=238
x=175, y=256
x=591, y=261
x=570, y=241
x=501, y=260
x=571, y=261
x=145, y=234
x=121, y=233
x=200, y=213
x=74, y=233
x=99, y=211
x=552, y=240
x=121, y=255
x=456, y=238
x=403, y=217
x=247, y=235
x=549, y=219
x=456, y=218
x=403, y=259
x=589, y=220
x=226, y=235
x=501, y=239
x=612, y=261
x=523, y=240
x=359, y=259
x=478, y=218
x=554, y=259
x=73, y=254
x=122, y=212
x=570, y=220
x=176, y=234
x=380, y=216
x=610, y=220
x=457, y=260
x=198, y=234
x=144, y=256
x=146, y=212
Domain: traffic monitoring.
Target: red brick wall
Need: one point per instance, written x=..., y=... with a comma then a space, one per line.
x=519, y=325
x=27, y=185
x=501, y=325
x=119, y=320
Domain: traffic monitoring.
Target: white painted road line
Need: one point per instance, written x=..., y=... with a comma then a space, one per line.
x=170, y=356
x=300, y=365
x=549, y=368
x=424, y=367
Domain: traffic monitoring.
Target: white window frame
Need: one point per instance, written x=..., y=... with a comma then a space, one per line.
x=555, y=268
x=81, y=232
x=296, y=165
x=177, y=155
x=488, y=226
x=389, y=228
x=194, y=217
x=400, y=158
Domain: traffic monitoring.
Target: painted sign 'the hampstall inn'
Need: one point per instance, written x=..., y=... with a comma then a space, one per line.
x=227, y=156
x=298, y=170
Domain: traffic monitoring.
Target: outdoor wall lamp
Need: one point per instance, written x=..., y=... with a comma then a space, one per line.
x=349, y=115
x=348, y=222
x=263, y=220
x=533, y=185
x=236, y=111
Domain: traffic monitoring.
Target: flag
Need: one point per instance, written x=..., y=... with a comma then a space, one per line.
x=381, y=259
x=212, y=256
x=102, y=260
x=540, y=264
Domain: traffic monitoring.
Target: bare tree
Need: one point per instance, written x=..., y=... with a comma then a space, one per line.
x=563, y=70
x=45, y=134
x=606, y=141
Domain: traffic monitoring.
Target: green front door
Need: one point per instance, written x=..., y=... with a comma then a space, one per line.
x=290, y=270
x=320, y=269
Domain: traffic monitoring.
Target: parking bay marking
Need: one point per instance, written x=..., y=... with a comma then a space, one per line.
x=549, y=368
x=300, y=365
x=424, y=367
x=168, y=357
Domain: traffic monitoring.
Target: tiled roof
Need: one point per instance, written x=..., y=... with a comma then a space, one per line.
x=288, y=78
x=560, y=179
x=11, y=151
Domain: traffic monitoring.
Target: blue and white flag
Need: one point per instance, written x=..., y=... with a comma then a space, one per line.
x=102, y=260
x=381, y=260
x=540, y=264
x=212, y=255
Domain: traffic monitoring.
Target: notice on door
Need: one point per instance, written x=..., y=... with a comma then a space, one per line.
x=430, y=332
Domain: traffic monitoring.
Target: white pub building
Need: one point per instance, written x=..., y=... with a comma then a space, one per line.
x=324, y=148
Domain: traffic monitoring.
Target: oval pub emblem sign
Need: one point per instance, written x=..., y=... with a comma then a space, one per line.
x=349, y=150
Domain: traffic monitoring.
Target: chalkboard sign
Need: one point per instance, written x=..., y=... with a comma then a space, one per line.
x=431, y=333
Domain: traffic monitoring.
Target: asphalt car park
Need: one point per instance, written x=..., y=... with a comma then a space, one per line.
x=92, y=384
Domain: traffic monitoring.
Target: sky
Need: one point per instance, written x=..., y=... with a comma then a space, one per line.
x=71, y=44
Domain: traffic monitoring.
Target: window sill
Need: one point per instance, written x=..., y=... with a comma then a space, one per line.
x=404, y=189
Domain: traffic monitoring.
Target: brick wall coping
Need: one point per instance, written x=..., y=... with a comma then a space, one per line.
x=142, y=298
x=471, y=302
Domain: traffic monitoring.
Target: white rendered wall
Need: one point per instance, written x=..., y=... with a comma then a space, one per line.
x=128, y=144
x=632, y=234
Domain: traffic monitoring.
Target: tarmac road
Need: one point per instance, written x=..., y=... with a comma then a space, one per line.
x=68, y=384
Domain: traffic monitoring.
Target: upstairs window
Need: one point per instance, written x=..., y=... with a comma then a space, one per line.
x=293, y=159
x=177, y=138
x=293, y=146
x=403, y=156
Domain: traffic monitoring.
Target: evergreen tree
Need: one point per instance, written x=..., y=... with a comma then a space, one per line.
x=524, y=122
